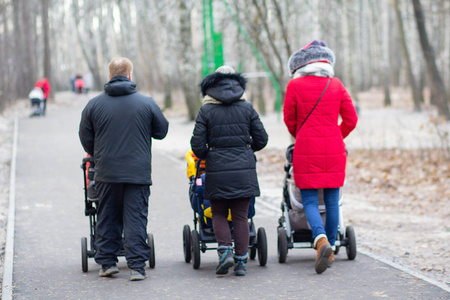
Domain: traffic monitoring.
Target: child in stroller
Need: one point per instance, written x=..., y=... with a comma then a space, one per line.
x=198, y=239
x=91, y=205
x=293, y=228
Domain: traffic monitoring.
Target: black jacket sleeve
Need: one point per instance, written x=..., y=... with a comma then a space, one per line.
x=160, y=125
x=86, y=131
x=199, y=138
x=257, y=132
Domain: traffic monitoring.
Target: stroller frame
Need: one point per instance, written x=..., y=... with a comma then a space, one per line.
x=37, y=106
x=91, y=205
x=199, y=238
x=302, y=239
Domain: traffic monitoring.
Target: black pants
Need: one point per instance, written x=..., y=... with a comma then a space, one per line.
x=239, y=216
x=122, y=208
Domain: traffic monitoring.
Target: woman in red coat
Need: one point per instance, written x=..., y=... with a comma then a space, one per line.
x=314, y=100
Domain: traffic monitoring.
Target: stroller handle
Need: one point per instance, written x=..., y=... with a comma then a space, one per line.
x=88, y=159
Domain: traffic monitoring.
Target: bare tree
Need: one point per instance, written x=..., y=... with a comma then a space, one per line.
x=24, y=51
x=47, y=52
x=349, y=36
x=188, y=71
x=4, y=57
x=166, y=47
x=87, y=39
x=412, y=81
x=428, y=53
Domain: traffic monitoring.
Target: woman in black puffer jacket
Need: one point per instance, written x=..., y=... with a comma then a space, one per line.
x=227, y=133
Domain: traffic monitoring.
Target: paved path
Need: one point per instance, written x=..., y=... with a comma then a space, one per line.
x=50, y=222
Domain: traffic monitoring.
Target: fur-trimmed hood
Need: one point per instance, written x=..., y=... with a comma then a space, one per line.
x=225, y=88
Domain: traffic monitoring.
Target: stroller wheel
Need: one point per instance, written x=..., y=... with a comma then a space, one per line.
x=282, y=245
x=187, y=243
x=84, y=254
x=195, y=249
x=262, y=246
x=151, y=244
x=351, y=242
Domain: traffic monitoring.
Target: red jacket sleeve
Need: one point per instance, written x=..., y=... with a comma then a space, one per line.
x=348, y=113
x=290, y=110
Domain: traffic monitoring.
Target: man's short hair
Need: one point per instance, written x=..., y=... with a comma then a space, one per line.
x=120, y=66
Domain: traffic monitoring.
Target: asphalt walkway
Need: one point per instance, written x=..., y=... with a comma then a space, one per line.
x=50, y=222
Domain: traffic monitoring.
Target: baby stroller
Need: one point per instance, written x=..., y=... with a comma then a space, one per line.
x=91, y=204
x=293, y=228
x=36, y=97
x=203, y=235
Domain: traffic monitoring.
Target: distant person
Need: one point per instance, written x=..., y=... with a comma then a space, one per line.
x=312, y=106
x=79, y=84
x=44, y=84
x=117, y=128
x=227, y=133
x=72, y=83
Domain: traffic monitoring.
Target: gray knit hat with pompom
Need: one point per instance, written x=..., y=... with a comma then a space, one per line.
x=316, y=51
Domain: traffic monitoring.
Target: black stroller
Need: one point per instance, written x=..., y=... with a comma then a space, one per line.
x=198, y=239
x=91, y=204
x=293, y=228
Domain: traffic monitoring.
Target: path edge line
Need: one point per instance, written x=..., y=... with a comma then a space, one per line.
x=416, y=274
x=7, y=285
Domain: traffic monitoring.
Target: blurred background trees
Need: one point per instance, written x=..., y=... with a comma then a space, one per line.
x=380, y=44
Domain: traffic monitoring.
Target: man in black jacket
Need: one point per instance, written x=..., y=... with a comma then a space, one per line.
x=117, y=128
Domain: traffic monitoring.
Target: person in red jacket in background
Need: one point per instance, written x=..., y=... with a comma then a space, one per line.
x=45, y=86
x=313, y=103
x=79, y=84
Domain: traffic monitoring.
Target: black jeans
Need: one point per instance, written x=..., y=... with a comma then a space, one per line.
x=239, y=216
x=123, y=208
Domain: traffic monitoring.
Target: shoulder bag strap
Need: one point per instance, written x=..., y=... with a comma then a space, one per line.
x=329, y=79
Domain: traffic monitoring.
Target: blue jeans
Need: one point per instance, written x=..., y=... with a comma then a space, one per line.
x=310, y=200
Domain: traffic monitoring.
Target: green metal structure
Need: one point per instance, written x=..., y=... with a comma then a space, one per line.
x=213, y=57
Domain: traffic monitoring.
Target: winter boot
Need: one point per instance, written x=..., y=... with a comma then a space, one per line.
x=240, y=267
x=225, y=259
x=323, y=253
x=331, y=259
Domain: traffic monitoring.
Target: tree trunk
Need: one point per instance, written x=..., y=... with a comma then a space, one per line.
x=349, y=36
x=378, y=19
x=436, y=81
x=104, y=22
x=260, y=96
x=29, y=61
x=386, y=69
x=415, y=91
x=89, y=45
x=187, y=67
x=166, y=26
x=47, y=53
x=18, y=45
x=3, y=56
